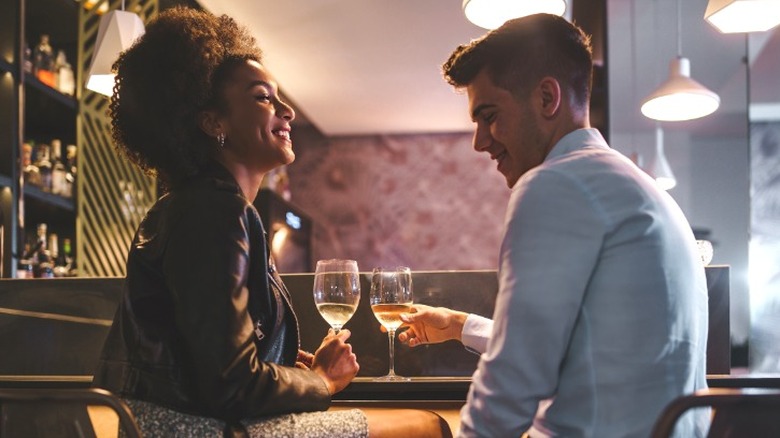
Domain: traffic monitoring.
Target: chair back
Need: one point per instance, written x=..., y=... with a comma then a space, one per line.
x=736, y=412
x=59, y=413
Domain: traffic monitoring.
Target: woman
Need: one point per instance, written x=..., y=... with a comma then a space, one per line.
x=205, y=340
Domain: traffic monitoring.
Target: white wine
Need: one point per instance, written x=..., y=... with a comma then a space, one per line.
x=336, y=314
x=336, y=291
x=389, y=315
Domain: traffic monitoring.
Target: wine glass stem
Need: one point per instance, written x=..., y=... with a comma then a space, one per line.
x=391, y=338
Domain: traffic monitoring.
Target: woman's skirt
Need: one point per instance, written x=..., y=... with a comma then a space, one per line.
x=157, y=421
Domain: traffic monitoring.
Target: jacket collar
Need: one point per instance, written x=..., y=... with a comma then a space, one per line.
x=216, y=175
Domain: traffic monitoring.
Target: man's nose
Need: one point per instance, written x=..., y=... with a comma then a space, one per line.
x=482, y=138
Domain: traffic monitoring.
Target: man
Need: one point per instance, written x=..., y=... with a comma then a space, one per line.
x=602, y=301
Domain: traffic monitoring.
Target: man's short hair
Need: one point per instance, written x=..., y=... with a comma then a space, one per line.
x=523, y=51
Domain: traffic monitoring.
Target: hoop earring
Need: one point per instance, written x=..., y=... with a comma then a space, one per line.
x=221, y=140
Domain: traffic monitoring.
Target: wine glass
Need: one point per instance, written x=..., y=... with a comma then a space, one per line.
x=336, y=290
x=391, y=295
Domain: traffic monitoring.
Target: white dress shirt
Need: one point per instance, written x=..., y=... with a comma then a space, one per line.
x=602, y=304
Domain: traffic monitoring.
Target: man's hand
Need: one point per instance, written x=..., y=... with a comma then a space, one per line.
x=428, y=325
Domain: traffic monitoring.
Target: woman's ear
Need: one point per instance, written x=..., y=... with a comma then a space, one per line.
x=210, y=123
x=550, y=90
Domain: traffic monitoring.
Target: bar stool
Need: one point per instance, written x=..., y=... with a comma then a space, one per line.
x=737, y=412
x=59, y=412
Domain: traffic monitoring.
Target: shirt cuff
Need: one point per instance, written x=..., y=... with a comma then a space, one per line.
x=476, y=332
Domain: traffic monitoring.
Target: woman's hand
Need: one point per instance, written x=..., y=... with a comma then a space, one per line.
x=335, y=362
x=428, y=325
x=304, y=360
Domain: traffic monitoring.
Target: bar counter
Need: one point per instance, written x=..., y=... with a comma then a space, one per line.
x=52, y=331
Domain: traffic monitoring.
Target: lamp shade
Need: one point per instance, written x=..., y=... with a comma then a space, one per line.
x=732, y=16
x=680, y=97
x=660, y=169
x=117, y=32
x=490, y=14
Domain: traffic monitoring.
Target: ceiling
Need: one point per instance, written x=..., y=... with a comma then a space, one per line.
x=362, y=66
x=354, y=67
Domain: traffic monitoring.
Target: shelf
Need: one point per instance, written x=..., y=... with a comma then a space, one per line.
x=48, y=113
x=7, y=66
x=5, y=181
x=69, y=101
x=58, y=201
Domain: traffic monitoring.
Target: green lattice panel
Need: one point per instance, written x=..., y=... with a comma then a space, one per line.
x=113, y=195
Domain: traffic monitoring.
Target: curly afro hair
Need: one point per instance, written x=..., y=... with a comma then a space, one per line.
x=171, y=74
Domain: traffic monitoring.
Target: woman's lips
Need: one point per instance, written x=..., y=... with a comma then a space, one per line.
x=284, y=133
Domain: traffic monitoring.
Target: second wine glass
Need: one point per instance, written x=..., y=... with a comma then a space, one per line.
x=336, y=290
x=391, y=295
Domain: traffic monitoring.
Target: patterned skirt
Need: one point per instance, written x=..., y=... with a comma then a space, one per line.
x=157, y=421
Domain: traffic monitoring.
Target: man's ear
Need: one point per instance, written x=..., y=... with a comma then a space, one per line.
x=210, y=123
x=550, y=93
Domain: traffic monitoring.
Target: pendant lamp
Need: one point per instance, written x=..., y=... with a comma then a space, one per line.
x=732, y=16
x=660, y=169
x=117, y=32
x=490, y=14
x=680, y=97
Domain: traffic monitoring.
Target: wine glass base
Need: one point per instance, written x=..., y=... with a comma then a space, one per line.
x=392, y=378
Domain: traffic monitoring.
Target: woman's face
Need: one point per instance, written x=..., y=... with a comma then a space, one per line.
x=256, y=122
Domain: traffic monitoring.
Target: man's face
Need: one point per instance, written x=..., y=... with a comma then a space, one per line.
x=507, y=127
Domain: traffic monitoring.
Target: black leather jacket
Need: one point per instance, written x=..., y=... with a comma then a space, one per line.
x=205, y=325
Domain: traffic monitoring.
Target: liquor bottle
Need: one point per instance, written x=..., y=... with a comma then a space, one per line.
x=53, y=246
x=57, y=257
x=28, y=62
x=43, y=161
x=2, y=242
x=67, y=255
x=58, y=172
x=30, y=172
x=43, y=62
x=66, y=82
x=41, y=257
x=70, y=170
x=24, y=269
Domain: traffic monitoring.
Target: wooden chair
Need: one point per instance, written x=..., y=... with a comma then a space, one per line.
x=61, y=413
x=736, y=412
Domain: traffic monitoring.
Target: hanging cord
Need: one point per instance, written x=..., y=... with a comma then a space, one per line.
x=679, y=31
x=635, y=154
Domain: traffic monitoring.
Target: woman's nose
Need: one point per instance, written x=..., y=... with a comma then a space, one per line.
x=285, y=111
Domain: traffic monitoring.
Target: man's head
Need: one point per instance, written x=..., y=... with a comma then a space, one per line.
x=522, y=51
x=528, y=84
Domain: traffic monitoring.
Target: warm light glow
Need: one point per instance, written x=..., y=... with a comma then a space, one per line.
x=490, y=14
x=279, y=241
x=705, y=251
x=666, y=183
x=103, y=84
x=732, y=16
x=680, y=97
x=89, y=4
x=117, y=32
x=660, y=169
x=680, y=106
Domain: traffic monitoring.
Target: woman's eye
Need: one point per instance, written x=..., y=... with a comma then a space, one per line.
x=263, y=98
x=489, y=117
